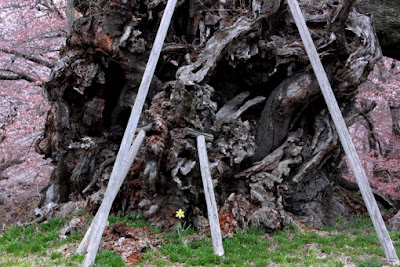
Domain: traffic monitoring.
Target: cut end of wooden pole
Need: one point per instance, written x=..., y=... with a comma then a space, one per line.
x=395, y=262
x=219, y=252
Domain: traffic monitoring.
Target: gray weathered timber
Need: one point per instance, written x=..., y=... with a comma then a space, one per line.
x=344, y=135
x=70, y=15
x=104, y=210
x=210, y=198
x=93, y=237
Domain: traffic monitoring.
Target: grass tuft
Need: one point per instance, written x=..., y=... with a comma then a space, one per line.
x=132, y=219
x=107, y=258
x=369, y=262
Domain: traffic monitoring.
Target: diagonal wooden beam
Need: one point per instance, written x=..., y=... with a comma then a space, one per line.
x=344, y=135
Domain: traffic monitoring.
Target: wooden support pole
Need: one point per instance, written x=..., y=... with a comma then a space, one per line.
x=70, y=15
x=92, y=238
x=344, y=135
x=210, y=198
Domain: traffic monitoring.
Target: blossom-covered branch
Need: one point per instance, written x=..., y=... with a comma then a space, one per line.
x=15, y=75
x=28, y=57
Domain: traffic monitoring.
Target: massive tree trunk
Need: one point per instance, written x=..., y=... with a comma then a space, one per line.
x=235, y=69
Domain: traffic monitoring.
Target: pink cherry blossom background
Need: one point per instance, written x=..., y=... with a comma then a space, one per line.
x=22, y=117
x=31, y=35
x=376, y=135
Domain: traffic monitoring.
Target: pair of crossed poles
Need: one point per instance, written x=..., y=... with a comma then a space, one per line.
x=129, y=150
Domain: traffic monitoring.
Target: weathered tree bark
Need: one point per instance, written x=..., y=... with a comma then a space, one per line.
x=387, y=23
x=237, y=70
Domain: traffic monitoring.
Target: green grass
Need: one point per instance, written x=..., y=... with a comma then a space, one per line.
x=107, y=258
x=352, y=239
x=21, y=241
x=40, y=243
x=369, y=262
x=34, y=245
x=37, y=245
x=131, y=220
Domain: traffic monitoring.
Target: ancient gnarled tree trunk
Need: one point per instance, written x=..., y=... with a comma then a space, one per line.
x=234, y=69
